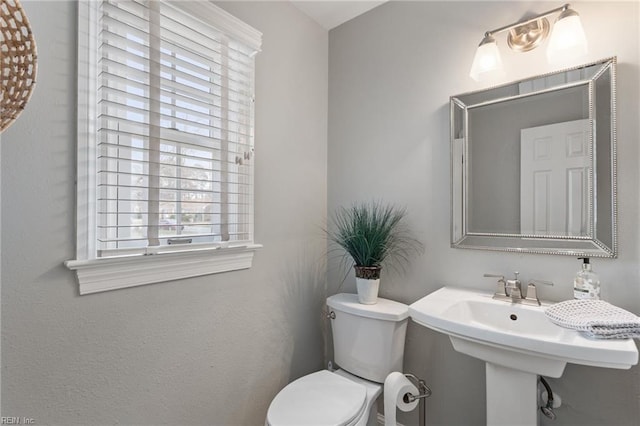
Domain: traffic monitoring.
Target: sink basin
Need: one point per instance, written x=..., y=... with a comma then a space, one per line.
x=518, y=343
x=514, y=335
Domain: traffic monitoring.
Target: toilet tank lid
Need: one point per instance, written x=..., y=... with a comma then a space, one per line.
x=385, y=309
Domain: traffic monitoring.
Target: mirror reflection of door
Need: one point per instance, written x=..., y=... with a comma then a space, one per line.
x=554, y=179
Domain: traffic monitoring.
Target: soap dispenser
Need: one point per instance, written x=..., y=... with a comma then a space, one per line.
x=586, y=284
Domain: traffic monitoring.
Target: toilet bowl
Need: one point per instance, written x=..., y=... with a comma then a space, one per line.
x=326, y=397
x=368, y=345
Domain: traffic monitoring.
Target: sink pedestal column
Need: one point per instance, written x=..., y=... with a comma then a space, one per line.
x=512, y=397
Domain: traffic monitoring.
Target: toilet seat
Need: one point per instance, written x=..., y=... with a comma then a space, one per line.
x=321, y=398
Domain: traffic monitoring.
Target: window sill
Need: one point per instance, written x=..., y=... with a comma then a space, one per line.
x=104, y=274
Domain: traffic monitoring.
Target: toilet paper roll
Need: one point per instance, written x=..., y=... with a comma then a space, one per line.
x=396, y=385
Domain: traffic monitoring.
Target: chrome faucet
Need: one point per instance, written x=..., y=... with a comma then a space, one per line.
x=511, y=290
x=514, y=288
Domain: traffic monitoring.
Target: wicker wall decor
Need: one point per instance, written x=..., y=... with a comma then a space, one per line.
x=17, y=61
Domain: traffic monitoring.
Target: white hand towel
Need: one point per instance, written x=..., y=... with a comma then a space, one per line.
x=595, y=318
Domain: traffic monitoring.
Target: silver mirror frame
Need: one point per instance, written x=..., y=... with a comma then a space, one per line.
x=584, y=245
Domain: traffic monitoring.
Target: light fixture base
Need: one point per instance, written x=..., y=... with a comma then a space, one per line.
x=526, y=37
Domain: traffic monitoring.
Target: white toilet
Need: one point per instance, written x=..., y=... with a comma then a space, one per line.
x=368, y=343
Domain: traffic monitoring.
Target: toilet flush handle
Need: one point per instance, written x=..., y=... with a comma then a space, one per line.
x=331, y=315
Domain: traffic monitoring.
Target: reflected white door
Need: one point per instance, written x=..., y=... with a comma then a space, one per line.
x=554, y=179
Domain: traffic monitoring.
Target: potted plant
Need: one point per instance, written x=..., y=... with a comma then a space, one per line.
x=372, y=235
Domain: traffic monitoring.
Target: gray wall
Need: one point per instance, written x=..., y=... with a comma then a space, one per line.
x=208, y=350
x=391, y=72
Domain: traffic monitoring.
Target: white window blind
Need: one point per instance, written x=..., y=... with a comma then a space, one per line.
x=174, y=130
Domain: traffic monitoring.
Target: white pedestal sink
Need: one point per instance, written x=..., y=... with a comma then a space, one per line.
x=518, y=343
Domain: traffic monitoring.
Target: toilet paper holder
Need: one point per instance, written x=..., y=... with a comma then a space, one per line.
x=425, y=391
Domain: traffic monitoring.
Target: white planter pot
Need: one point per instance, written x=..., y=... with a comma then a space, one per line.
x=367, y=291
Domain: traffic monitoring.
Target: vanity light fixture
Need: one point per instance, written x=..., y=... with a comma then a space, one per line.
x=567, y=41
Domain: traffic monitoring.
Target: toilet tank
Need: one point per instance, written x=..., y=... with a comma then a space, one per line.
x=368, y=340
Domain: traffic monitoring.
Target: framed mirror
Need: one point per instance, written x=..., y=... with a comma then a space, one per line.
x=533, y=164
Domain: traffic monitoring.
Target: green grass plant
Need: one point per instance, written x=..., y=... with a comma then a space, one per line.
x=373, y=235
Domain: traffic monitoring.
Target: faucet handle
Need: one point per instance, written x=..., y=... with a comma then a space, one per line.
x=501, y=290
x=532, y=294
x=494, y=276
x=549, y=283
x=532, y=291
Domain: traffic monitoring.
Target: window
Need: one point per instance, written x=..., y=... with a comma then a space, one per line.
x=165, y=142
